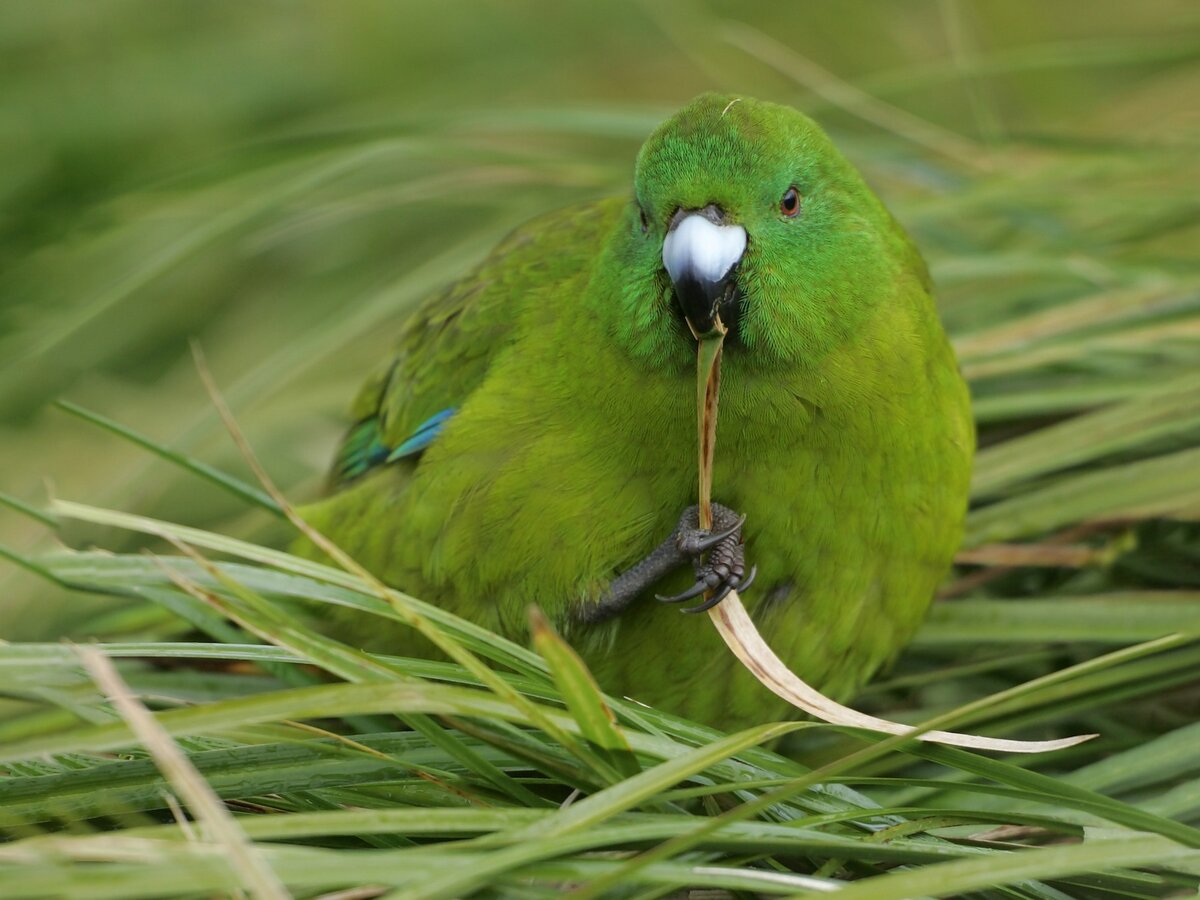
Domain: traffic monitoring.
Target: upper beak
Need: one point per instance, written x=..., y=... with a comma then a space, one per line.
x=701, y=253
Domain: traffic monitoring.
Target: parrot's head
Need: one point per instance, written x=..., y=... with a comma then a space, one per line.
x=745, y=210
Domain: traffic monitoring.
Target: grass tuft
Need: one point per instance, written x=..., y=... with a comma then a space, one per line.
x=275, y=189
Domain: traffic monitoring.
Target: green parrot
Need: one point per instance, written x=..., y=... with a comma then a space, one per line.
x=534, y=438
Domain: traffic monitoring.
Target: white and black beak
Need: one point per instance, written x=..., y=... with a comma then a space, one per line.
x=701, y=253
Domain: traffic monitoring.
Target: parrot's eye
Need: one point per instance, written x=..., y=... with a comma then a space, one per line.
x=645, y=221
x=789, y=203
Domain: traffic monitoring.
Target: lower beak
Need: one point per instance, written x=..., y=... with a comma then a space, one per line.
x=701, y=300
x=701, y=254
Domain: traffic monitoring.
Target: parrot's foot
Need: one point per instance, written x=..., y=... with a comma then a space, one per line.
x=722, y=571
x=725, y=568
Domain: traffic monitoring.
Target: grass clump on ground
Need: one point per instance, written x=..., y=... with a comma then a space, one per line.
x=1048, y=178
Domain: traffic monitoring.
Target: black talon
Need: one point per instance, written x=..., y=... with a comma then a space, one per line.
x=710, y=602
x=705, y=544
x=747, y=581
x=694, y=591
x=723, y=593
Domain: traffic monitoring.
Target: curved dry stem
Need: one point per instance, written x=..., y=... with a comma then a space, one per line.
x=738, y=631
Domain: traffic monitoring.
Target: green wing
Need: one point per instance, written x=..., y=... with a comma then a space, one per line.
x=447, y=346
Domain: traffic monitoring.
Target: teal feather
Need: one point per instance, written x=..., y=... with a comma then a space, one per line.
x=364, y=448
x=425, y=434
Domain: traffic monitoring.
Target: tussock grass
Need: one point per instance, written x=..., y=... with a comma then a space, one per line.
x=287, y=206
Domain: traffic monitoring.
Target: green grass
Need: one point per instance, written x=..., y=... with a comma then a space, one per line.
x=284, y=183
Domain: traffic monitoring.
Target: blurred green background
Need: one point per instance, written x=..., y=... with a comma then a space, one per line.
x=281, y=181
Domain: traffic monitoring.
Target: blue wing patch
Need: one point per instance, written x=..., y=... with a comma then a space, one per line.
x=364, y=449
x=423, y=436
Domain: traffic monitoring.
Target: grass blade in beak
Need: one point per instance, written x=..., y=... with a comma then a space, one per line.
x=708, y=388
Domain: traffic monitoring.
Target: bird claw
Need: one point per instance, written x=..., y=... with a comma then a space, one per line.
x=722, y=594
x=694, y=541
x=694, y=591
x=724, y=569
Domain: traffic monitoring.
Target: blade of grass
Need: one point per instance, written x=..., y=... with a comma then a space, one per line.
x=961, y=876
x=1121, y=617
x=234, y=486
x=1154, y=487
x=25, y=509
x=582, y=696
x=258, y=616
x=213, y=818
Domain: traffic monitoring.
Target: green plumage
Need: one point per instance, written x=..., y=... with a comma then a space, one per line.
x=844, y=433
